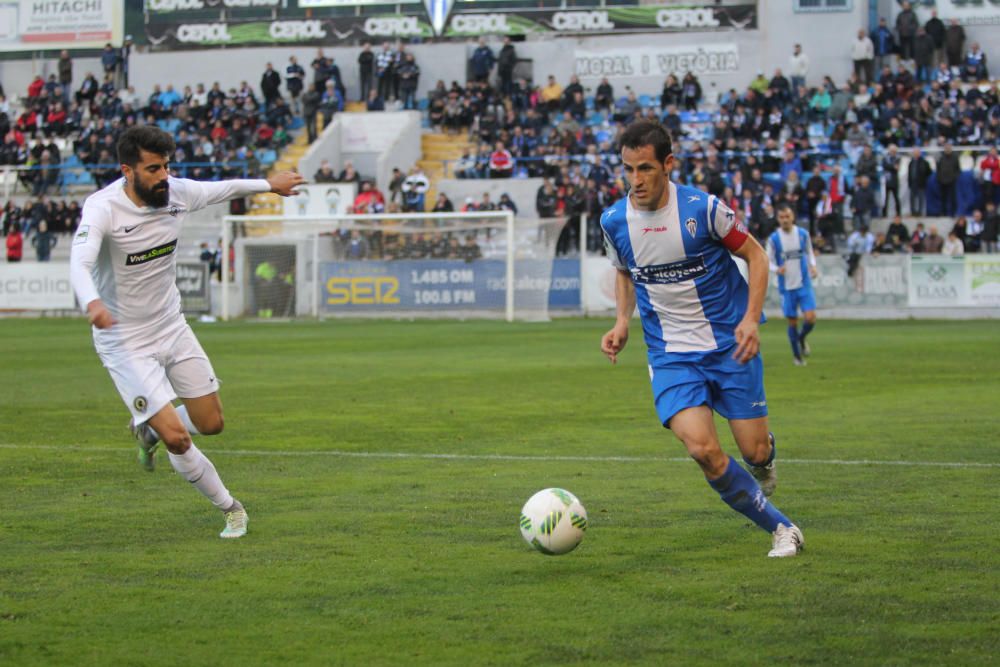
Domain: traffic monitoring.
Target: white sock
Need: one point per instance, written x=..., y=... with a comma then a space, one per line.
x=182, y=412
x=195, y=467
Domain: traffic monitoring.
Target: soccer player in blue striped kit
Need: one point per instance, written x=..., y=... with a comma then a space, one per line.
x=673, y=247
x=790, y=254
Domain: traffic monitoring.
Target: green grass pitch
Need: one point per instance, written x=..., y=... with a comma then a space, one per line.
x=398, y=558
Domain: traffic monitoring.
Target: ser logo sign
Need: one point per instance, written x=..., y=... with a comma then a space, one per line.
x=362, y=290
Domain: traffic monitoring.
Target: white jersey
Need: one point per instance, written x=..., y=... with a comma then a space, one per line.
x=124, y=254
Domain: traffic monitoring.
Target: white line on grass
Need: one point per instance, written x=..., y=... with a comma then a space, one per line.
x=512, y=457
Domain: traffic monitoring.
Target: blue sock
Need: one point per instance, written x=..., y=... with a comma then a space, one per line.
x=806, y=328
x=793, y=338
x=740, y=491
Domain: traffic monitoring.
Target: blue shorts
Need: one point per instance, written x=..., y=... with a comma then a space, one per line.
x=795, y=299
x=715, y=379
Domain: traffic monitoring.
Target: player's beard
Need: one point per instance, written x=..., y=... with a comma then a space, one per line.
x=157, y=196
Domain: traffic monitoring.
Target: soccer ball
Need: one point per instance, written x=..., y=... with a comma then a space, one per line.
x=553, y=521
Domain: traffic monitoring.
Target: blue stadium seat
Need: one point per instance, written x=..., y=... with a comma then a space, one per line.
x=645, y=101
x=268, y=157
x=169, y=125
x=589, y=103
x=774, y=180
x=595, y=119
x=296, y=123
x=423, y=104
x=602, y=136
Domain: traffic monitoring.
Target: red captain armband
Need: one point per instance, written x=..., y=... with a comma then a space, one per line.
x=736, y=237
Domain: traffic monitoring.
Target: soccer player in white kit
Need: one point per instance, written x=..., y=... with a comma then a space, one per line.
x=123, y=270
x=790, y=253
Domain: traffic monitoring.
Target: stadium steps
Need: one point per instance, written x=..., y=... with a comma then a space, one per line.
x=436, y=148
x=266, y=204
x=356, y=107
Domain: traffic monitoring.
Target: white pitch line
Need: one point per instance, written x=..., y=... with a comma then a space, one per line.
x=512, y=457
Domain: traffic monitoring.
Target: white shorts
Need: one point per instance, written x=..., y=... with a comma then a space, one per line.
x=150, y=375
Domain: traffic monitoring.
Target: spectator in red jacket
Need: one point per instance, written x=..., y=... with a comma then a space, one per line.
x=27, y=122
x=369, y=200
x=990, y=167
x=55, y=121
x=36, y=86
x=219, y=132
x=15, y=243
x=501, y=162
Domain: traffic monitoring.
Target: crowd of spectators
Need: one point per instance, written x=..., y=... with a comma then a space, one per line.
x=357, y=244
x=968, y=234
x=38, y=226
x=57, y=129
x=832, y=150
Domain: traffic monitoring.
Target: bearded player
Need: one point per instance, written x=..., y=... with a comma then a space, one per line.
x=123, y=270
x=673, y=247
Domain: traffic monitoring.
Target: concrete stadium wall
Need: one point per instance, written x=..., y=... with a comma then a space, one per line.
x=326, y=147
x=522, y=192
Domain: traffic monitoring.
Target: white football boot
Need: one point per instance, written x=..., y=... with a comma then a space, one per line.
x=788, y=541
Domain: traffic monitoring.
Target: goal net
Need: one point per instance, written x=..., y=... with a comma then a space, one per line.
x=448, y=265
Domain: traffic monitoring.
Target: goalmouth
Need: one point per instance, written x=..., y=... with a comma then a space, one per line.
x=437, y=265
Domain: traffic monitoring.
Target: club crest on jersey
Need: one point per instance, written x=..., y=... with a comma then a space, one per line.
x=173, y=211
x=140, y=403
x=692, y=226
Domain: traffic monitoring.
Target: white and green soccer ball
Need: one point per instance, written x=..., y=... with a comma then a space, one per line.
x=553, y=521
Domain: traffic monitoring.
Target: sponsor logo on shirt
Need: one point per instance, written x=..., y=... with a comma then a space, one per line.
x=653, y=229
x=793, y=254
x=667, y=274
x=153, y=253
x=81, y=234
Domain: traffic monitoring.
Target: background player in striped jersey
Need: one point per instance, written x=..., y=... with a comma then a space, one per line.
x=673, y=247
x=123, y=269
x=790, y=253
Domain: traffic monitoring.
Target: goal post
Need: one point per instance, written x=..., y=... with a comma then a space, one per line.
x=475, y=264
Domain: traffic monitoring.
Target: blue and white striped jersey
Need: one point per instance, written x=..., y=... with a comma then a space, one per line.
x=689, y=289
x=792, y=250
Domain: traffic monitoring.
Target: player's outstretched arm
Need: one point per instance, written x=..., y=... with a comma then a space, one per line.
x=614, y=341
x=284, y=183
x=747, y=332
